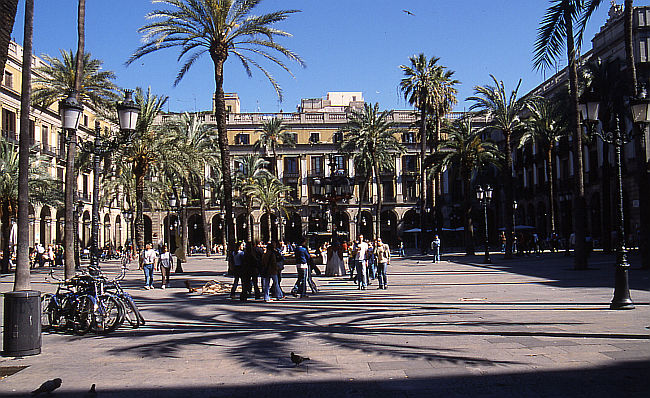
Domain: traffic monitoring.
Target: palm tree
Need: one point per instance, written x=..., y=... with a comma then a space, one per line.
x=219, y=28
x=151, y=146
x=8, y=10
x=273, y=132
x=465, y=151
x=56, y=78
x=252, y=168
x=43, y=189
x=370, y=135
x=429, y=88
x=545, y=127
x=270, y=193
x=200, y=151
x=504, y=111
x=554, y=34
x=21, y=281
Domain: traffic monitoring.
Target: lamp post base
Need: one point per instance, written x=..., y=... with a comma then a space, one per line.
x=486, y=258
x=622, y=300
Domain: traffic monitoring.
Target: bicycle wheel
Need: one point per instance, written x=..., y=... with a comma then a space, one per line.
x=131, y=313
x=47, y=311
x=109, y=314
x=82, y=315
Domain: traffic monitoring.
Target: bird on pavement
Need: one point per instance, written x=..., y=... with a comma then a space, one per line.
x=297, y=359
x=48, y=386
x=92, y=392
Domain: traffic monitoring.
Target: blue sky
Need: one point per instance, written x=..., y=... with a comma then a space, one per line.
x=353, y=45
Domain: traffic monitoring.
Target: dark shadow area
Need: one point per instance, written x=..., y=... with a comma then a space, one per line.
x=627, y=379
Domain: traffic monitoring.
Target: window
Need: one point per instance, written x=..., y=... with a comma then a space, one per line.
x=291, y=166
x=8, y=124
x=59, y=173
x=339, y=161
x=243, y=139
x=314, y=138
x=32, y=132
x=317, y=165
x=229, y=108
x=86, y=120
x=62, y=150
x=8, y=80
x=410, y=163
x=408, y=137
x=338, y=137
x=410, y=189
x=45, y=137
x=84, y=185
x=294, y=194
x=388, y=191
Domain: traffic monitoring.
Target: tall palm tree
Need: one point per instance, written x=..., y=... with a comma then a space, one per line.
x=200, y=151
x=252, y=168
x=370, y=134
x=270, y=194
x=273, y=132
x=43, y=189
x=221, y=29
x=151, y=146
x=56, y=78
x=465, y=150
x=429, y=88
x=557, y=32
x=545, y=126
x=21, y=281
x=8, y=10
x=504, y=111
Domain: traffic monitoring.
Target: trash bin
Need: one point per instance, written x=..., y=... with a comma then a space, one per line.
x=22, y=323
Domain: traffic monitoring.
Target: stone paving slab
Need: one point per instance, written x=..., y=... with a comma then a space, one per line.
x=524, y=327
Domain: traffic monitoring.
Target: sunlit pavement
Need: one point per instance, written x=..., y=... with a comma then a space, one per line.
x=525, y=327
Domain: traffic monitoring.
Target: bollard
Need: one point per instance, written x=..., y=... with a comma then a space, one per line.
x=22, y=323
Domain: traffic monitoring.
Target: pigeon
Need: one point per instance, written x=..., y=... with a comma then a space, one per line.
x=408, y=12
x=92, y=392
x=48, y=386
x=297, y=359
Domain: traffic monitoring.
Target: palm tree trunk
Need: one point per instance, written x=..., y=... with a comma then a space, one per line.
x=509, y=191
x=423, y=182
x=375, y=167
x=70, y=174
x=22, y=280
x=467, y=213
x=551, y=189
x=579, y=205
x=139, y=213
x=8, y=10
x=207, y=229
x=6, y=235
x=218, y=58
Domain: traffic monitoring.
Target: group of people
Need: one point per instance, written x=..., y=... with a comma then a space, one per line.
x=152, y=260
x=252, y=260
x=41, y=256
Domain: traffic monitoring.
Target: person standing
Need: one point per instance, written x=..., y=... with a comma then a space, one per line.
x=165, y=264
x=268, y=272
x=360, y=253
x=40, y=255
x=402, y=253
x=382, y=254
x=435, y=245
x=302, y=266
x=149, y=256
x=250, y=264
x=237, y=261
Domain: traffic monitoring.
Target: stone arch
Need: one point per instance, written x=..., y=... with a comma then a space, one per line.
x=218, y=230
x=118, y=231
x=241, y=228
x=341, y=224
x=388, y=227
x=410, y=222
x=195, y=234
x=265, y=220
x=365, y=224
x=293, y=228
x=107, y=229
x=85, y=229
x=45, y=221
x=60, y=224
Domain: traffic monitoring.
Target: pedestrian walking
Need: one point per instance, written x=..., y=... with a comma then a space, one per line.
x=149, y=258
x=268, y=272
x=382, y=254
x=251, y=263
x=435, y=247
x=402, y=252
x=302, y=266
x=237, y=261
x=165, y=264
x=360, y=253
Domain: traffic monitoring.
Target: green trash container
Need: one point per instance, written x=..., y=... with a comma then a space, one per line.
x=22, y=323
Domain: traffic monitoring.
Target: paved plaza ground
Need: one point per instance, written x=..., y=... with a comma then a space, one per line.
x=529, y=327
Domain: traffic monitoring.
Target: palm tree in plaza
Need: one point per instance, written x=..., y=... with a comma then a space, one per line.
x=556, y=33
x=464, y=149
x=270, y=194
x=426, y=85
x=370, y=138
x=152, y=147
x=545, y=126
x=221, y=29
x=504, y=110
x=199, y=147
x=273, y=133
x=8, y=9
x=252, y=168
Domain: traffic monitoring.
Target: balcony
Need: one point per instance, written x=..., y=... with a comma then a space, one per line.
x=10, y=136
x=48, y=150
x=316, y=173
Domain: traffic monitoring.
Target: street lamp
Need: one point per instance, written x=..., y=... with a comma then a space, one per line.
x=484, y=195
x=330, y=190
x=128, y=112
x=640, y=112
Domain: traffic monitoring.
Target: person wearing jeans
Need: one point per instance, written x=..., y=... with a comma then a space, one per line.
x=148, y=261
x=269, y=271
x=360, y=252
x=302, y=266
x=165, y=264
x=382, y=253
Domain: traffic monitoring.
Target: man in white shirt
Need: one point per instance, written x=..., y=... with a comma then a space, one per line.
x=360, y=250
x=149, y=258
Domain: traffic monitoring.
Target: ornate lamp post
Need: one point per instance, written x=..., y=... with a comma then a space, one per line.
x=484, y=195
x=329, y=190
x=589, y=108
x=128, y=217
